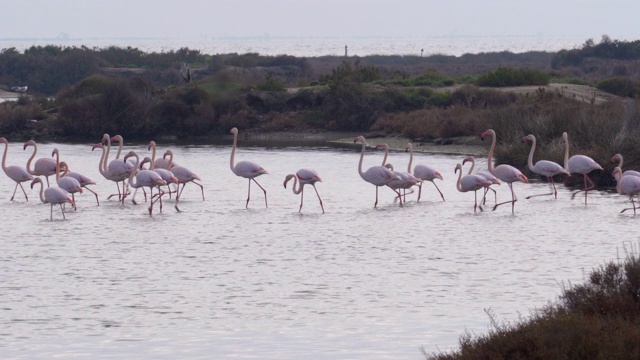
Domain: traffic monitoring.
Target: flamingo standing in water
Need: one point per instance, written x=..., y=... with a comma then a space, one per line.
x=618, y=157
x=53, y=195
x=246, y=169
x=166, y=175
x=579, y=164
x=471, y=182
x=145, y=178
x=83, y=180
x=545, y=168
x=183, y=176
x=627, y=185
x=43, y=166
x=423, y=172
x=67, y=184
x=14, y=172
x=305, y=176
x=485, y=174
x=506, y=173
x=116, y=170
x=376, y=175
x=406, y=179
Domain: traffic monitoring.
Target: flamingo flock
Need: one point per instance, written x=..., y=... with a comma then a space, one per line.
x=164, y=177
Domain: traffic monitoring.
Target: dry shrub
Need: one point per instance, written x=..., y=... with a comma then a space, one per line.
x=15, y=118
x=275, y=121
x=432, y=123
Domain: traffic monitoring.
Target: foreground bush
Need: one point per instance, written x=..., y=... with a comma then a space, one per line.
x=597, y=320
x=505, y=76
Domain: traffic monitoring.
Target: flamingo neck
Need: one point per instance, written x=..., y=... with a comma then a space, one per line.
x=490, y=157
x=410, y=158
x=153, y=156
x=533, y=148
x=619, y=157
x=473, y=164
x=4, y=156
x=459, y=182
x=120, y=144
x=35, y=150
x=132, y=178
x=170, y=162
x=100, y=167
x=386, y=153
x=55, y=151
x=106, y=156
x=566, y=152
x=296, y=188
x=42, y=192
x=359, y=164
x=233, y=153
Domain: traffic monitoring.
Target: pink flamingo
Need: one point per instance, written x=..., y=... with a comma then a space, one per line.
x=116, y=170
x=618, y=157
x=485, y=174
x=306, y=176
x=406, y=179
x=376, y=175
x=43, y=167
x=161, y=162
x=471, y=182
x=627, y=185
x=246, y=169
x=53, y=195
x=423, y=172
x=506, y=173
x=145, y=178
x=15, y=173
x=545, y=168
x=166, y=175
x=68, y=184
x=83, y=180
x=183, y=176
x=580, y=164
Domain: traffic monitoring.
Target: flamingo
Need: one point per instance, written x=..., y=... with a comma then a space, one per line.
x=166, y=175
x=504, y=172
x=14, y=172
x=306, y=176
x=579, y=164
x=161, y=162
x=627, y=185
x=544, y=167
x=116, y=170
x=406, y=179
x=83, y=180
x=485, y=174
x=67, y=184
x=471, y=182
x=246, y=169
x=618, y=157
x=43, y=166
x=376, y=175
x=53, y=195
x=183, y=176
x=423, y=172
x=145, y=178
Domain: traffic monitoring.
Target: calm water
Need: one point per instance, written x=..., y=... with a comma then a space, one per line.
x=323, y=46
x=220, y=281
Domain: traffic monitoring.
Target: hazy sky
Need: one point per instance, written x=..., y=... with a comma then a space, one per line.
x=318, y=18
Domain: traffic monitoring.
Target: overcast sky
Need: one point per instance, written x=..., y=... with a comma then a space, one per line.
x=318, y=18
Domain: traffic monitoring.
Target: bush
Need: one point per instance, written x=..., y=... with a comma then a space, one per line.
x=620, y=86
x=504, y=76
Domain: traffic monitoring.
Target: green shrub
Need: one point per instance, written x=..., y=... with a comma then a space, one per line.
x=620, y=86
x=505, y=76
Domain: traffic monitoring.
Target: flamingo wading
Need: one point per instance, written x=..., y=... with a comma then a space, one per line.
x=545, y=168
x=246, y=169
x=579, y=164
x=304, y=176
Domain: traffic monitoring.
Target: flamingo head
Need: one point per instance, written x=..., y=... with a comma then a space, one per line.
x=105, y=138
x=439, y=176
x=167, y=153
x=487, y=133
x=36, y=180
x=528, y=138
x=130, y=154
x=389, y=166
x=616, y=173
x=28, y=143
x=286, y=180
x=96, y=146
x=359, y=139
x=382, y=146
x=467, y=159
x=523, y=178
x=152, y=144
x=144, y=161
x=616, y=157
x=234, y=131
x=408, y=148
x=458, y=167
x=565, y=137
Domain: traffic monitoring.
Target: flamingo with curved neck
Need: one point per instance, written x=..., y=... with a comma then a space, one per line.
x=53, y=195
x=546, y=168
x=183, y=176
x=376, y=175
x=505, y=173
x=423, y=172
x=485, y=174
x=68, y=184
x=145, y=178
x=306, y=176
x=246, y=169
x=43, y=167
x=627, y=185
x=471, y=182
x=83, y=180
x=14, y=172
x=406, y=179
x=618, y=157
x=580, y=164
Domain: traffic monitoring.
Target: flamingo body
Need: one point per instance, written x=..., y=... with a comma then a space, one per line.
x=305, y=177
x=580, y=164
x=14, y=172
x=246, y=169
x=423, y=173
x=53, y=195
x=627, y=185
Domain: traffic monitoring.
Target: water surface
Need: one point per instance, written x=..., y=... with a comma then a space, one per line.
x=221, y=281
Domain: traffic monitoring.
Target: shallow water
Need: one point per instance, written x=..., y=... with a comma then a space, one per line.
x=221, y=281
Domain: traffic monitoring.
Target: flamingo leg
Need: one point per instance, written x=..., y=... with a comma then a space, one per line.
x=551, y=187
x=631, y=208
x=248, y=195
x=395, y=191
x=47, y=177
x=437, y=188
x=513, y=200
x=587, y=187
x=263, y=190
x=319, y=199
x=301, y=198
x=51, y=213
x=94, y=193
x=61, y=210
x=419, y=192
x=180, y=192
x=73, y=197
x=376, y=203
